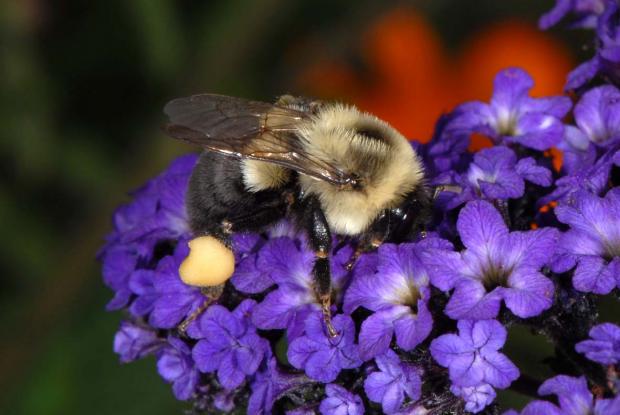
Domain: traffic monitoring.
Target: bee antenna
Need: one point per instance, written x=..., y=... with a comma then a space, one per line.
x=446, y=188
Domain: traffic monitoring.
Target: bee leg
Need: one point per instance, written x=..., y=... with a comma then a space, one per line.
x=378, y=233
x=320, y=241
x=212, y=294
x=222, y=233
x=362, y=248
x=324, y=292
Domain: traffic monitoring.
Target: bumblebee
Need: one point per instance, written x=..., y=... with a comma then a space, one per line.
x=329, y=167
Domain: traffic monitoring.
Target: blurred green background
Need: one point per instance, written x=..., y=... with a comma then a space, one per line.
x=82, y=87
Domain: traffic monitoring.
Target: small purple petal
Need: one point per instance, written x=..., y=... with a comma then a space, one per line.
x=470, y=300
x=480, y=225
x=583, y=73
x=476, y=397
x=376, y=333
x=573, y=393
x=604, y=346
x=133, y=342
x=593, y=275
x=541, y=408
x=538, y=131
x=530, y=171
x=340, y=401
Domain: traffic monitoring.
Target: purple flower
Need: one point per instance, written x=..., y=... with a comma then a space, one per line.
x=597, y=114
x=412, y=408
x=579, y=153
x=156, y=214
x=119, y=262
x=513, y=116
x=248, y=277
x=289, y=264
x=395, y=285
x=141, y=283
x=608, y=32
x=537, y=408
x=176, y=366
x=592, y=243
x=575, y=398
x=594, y=179
x=496, y=174
x=224, y=400
x=446, y=151
x=132, y=342
x=605, y=61
x=269, y=384
x=228, y=344
x=583, y=73
x=394, y=379
x=496, y=265
x=476, y=397
x=173, y=300
x=302, y=411
x=159, y=206
x=586, y=11
x=321, y=356
x=604, y=345
x=598, y=127
x=472, y=356
x=340, y=401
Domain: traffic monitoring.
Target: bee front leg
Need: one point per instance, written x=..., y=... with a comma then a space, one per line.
x=320, y=241
x=377, y=234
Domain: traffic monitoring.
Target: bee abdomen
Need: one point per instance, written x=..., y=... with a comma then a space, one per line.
x=217, y=193
x=261, y=175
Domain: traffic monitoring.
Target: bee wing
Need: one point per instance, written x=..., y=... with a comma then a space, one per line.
x=249, y=130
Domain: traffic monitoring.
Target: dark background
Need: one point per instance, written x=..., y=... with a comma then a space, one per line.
x=82, y=84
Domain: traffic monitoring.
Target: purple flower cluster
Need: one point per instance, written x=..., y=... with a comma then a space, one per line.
x=228, y=343
x=155, y=218
x=421, y=325
x=573, y=397
x=601, y=15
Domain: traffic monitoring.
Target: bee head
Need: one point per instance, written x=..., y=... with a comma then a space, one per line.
x=405, y=221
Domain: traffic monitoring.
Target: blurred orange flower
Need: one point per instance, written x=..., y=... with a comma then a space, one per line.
x=414, y=80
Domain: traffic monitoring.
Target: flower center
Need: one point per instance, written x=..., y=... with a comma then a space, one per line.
x=409, y=296
x=611, y=250
x=507, y=123
x=495, y=275
x=476, y=175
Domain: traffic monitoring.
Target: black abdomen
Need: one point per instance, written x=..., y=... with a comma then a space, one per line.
x=217, y=193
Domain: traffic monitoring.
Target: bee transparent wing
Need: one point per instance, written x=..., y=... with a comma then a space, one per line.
x=249, y=130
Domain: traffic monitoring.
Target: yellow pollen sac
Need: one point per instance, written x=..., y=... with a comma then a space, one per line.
x=208, y=264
